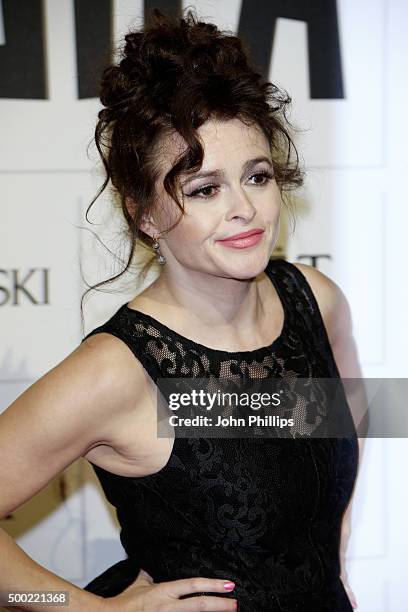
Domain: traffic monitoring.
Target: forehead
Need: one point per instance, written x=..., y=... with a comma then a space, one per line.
x=222, y=141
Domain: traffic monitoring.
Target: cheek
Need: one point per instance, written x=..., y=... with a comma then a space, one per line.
x=272, y=208
x=276, y=213
x=189, y=232
x=198, y=226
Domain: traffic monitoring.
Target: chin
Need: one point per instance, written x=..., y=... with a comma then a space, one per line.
x=247, y=269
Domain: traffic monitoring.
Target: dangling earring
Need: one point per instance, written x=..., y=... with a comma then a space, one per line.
x=160, y=256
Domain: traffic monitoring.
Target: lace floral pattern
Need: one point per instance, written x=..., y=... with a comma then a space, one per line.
x=265, y=513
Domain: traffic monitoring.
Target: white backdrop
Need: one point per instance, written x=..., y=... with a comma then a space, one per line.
x=352, y=216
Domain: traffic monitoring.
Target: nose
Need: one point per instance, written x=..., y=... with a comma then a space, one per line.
x=240, y=206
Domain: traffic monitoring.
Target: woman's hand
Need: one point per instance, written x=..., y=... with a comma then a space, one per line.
x=144, y=595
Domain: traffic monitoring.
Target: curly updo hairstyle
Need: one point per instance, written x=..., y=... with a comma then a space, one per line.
x=175, y=74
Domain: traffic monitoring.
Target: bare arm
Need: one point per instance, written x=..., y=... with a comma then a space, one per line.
x=345, y=353
x=55, y=421
x=337, y=317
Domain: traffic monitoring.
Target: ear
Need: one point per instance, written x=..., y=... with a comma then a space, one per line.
x=148, y=226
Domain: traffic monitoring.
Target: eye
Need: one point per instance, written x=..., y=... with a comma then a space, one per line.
x=201, y=190
x=265, y=175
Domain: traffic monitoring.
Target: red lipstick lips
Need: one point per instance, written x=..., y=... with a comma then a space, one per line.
x=244, y=239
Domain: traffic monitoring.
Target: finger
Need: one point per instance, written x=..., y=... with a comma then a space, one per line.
x=203, y=602
x=185, y=586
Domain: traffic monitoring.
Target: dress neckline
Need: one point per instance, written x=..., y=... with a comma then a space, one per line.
x=202, y=347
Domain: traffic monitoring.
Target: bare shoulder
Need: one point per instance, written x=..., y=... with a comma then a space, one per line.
x=71, y=409
x=333, y=304
x=118, y=371
x=337, y=318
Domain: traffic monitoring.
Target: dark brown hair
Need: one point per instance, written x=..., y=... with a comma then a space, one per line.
x=144, y=99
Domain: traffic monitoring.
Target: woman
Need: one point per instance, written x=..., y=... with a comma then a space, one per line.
x=186, y=117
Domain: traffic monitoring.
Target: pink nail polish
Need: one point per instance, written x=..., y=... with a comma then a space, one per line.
x=229, y=585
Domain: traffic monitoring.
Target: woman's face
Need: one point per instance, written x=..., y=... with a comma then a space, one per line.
x=237, y=194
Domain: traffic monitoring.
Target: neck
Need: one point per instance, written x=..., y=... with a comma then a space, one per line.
x=208, y=301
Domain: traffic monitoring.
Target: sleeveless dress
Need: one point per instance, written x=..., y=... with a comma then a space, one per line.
x=263, y=512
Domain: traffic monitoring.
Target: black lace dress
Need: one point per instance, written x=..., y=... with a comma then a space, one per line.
x=263, y=512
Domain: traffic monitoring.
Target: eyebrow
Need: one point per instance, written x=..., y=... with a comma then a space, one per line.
x=219, y=174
